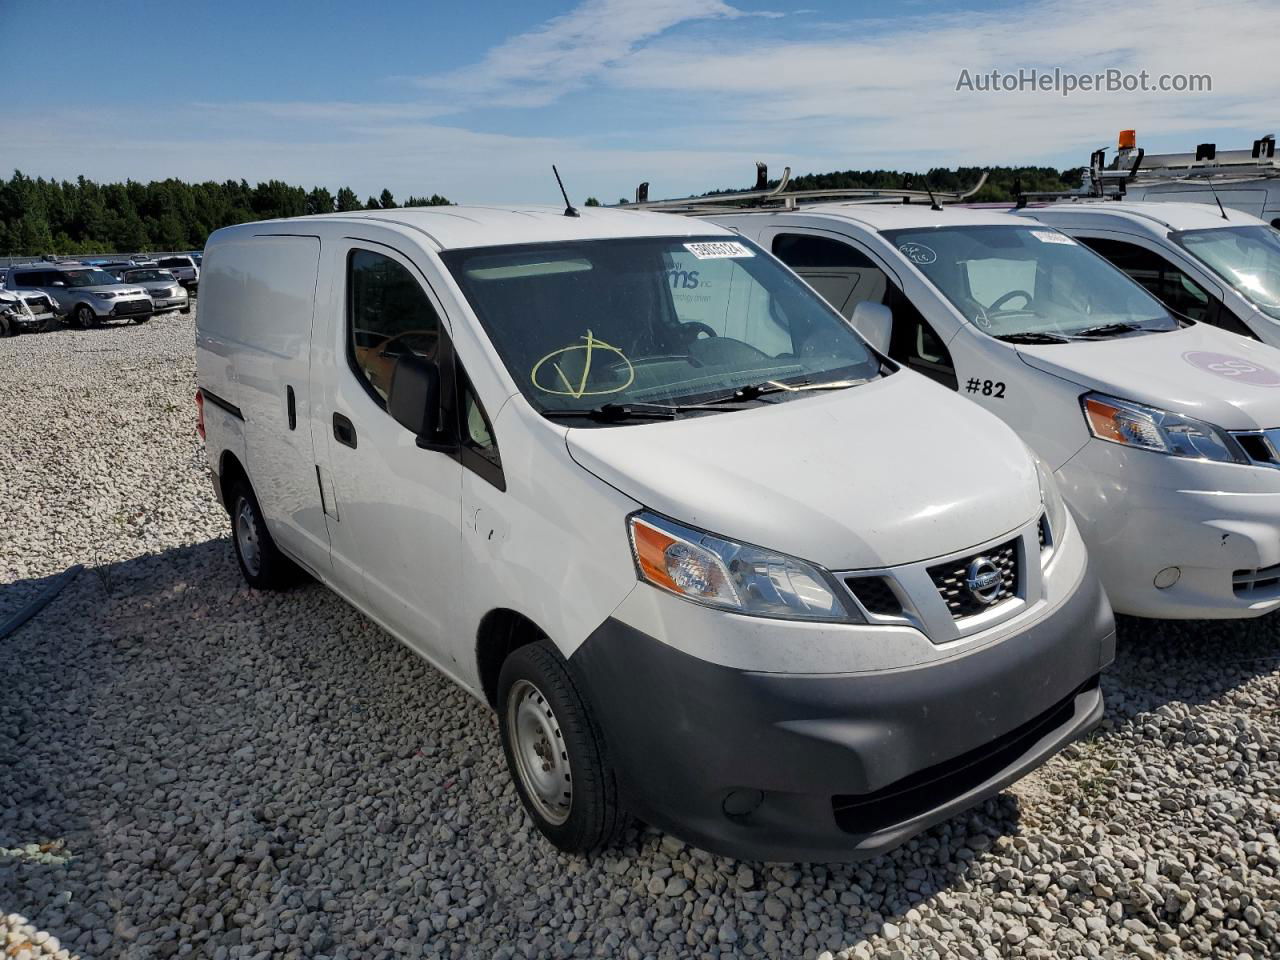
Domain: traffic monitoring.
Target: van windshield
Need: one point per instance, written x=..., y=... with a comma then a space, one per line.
x=654, y=320
x=1030, y=284
x=1248, y=258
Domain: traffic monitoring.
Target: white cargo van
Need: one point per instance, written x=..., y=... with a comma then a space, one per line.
x=1215, y=269
x=712, y=559
x=1164, y=434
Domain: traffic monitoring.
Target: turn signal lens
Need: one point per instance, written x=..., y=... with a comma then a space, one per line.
x=680, y=566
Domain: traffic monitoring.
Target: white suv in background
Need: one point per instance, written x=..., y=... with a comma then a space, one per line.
x=183, y=268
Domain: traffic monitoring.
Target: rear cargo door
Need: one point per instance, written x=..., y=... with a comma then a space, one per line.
x=270, y=326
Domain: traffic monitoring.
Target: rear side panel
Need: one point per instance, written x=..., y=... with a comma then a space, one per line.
x=254, y=338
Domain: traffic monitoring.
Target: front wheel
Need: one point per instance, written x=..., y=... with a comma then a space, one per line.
x=555, y=753
x=5, y=327
x=142, y=319
x=85, y=317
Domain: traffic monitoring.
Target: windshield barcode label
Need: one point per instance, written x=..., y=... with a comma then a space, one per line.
x=1048, y=236
x=718, y=251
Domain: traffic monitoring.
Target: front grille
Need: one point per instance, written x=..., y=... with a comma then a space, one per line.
x=950, y=578
x=1042, y=530
x=924, y=790
x=133, y=306
x=1261, y=446
x=1246, y=582
x=875, y=594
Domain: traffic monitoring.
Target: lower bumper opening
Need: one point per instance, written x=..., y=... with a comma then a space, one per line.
x=922, y=791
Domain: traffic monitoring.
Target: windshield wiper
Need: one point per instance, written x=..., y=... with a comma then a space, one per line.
x=1108, y=330
x=753, y=390
x=1033, y=336
x=614, y=412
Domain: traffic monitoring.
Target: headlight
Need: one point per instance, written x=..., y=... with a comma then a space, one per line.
x=1055, y=508
x=732, y=576
x=1148, y=428
x=104, y=296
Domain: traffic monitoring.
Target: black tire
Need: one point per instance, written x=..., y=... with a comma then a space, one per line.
x=85, y=317
x=5, y=328
x=142, y=319
x=263, y=565
x=535, y=676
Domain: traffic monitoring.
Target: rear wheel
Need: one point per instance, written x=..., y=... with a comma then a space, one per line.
x=555, y=753
x=85, y=317
x=263, y=565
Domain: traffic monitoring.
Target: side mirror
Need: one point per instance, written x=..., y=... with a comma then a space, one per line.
x=875, y=322
x=414, y=400
x=58, y=283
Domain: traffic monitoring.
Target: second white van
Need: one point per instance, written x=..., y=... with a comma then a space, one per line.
x=712, y=559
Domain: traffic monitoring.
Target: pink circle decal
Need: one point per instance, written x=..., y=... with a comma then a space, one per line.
x=1233, y=368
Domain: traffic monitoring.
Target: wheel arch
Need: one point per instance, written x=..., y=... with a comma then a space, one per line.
x=501, y=631
x=231, y=472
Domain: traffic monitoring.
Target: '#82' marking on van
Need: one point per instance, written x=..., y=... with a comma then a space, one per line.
x=988, y=388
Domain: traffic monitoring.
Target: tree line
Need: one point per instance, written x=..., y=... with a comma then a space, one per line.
x=62, y=217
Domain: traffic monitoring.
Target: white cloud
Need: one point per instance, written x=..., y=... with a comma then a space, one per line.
x=889, y=90
x=538, y=67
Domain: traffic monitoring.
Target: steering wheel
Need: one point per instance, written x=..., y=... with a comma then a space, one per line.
x=433, y=336
x=1000, y=301
x=697, y=326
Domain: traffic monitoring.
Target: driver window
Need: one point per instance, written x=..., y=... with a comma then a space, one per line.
x=388, y=315
x=742, y=313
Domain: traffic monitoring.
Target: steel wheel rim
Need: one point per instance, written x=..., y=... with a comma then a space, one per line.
x=541, y=755
x=85, y=315
x=247, y=538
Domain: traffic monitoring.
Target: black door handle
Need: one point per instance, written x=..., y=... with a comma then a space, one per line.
x=292, y=408
x=344, y=431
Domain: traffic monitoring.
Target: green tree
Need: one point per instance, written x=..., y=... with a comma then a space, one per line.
x=592, y=202
x=387, y=201
x=319, y=200
x=347, y=200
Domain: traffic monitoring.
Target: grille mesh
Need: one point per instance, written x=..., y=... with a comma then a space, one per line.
x=876, y=595
x=950, y=577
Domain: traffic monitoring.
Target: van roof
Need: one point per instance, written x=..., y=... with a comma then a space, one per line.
x=453, y=227
x=1154, y=217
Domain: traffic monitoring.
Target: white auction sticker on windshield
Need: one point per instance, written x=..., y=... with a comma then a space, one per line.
x=1049, y=236
x=719, y=250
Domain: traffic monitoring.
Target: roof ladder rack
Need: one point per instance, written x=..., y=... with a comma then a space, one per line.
x=764, y=196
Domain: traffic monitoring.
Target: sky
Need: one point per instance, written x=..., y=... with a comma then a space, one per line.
x=476, y=100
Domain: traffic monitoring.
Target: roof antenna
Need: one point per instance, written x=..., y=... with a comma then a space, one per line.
x=569, y=211
x=933, y=203
x=1209, y=182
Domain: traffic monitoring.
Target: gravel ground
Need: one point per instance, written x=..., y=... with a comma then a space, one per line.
x=187, y=767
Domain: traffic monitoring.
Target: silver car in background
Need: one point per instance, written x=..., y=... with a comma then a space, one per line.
x=166, y=292
x=83, y=295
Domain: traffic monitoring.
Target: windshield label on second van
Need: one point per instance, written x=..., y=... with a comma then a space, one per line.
x=718, y=251
x=1051, y=236
x=917, y=253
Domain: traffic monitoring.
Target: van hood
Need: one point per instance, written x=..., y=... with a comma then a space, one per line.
x=1199, y=371
x=894, y=471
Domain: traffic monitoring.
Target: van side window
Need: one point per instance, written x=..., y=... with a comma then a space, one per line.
x=388, y=315
x=477, y=443
x=1167, y=283
x=843, y=275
